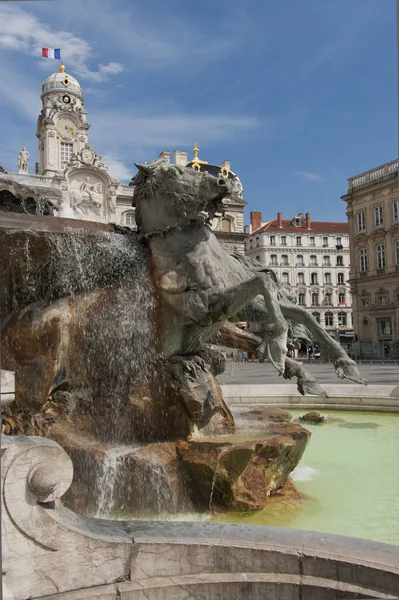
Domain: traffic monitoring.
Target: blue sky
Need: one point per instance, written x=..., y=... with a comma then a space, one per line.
x=298, y=94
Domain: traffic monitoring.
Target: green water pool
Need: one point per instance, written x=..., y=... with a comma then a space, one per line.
x=350, y=471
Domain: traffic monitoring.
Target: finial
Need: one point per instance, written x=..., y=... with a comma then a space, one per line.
x=195, y=151
x=61, y=69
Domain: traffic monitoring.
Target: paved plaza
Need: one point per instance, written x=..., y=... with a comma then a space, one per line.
x=256, y=373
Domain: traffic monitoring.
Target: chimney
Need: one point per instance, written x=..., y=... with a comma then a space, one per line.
x=308, y=221
x=280, y=219
x=256, y=220
x=180, y=158
x=165, y=154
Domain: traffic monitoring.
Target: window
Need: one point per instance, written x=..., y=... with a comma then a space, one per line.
x=342, y=319
x=130, y=220
x=250, y=243
x=313, y=279
x=283, y=240
x=361, y=221
x=378, y=220
x=316, y=315
x=257, y=258
x=326, y=261
x=363, y=260
x=285, y=278
x=382, y=300
x=327, y=278
x=328, y=299
x=397, y=252
x=66, y=154
x=298, y=240
x=257, y=240
x=329, y=319
x=325, y=242
x=299, y=260
x=339, y=241
x=340, y=279
x=380, y=256
x=312, y=241
x=226, y=227
x=301, y=278
x=315, y=299
x=284, y=259
x=395, y=210
x=313, y=260
x=365, y=302
x=341, y=298
x=384, y=327
x=272, y=240
x=302, y=299
x=273, y=259
x=340, y=261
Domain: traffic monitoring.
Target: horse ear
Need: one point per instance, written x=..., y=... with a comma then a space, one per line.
x=144, y=169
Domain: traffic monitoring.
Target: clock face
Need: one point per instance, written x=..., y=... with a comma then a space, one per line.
x=66, y=128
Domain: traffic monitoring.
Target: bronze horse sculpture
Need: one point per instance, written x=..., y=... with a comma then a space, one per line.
x=202, y=287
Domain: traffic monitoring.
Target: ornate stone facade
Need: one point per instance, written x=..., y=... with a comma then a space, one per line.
x=312, y=258
x=71, y=179
x=373, y=215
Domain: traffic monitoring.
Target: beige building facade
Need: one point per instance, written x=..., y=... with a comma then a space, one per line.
x=373, y=215
x=312, y=259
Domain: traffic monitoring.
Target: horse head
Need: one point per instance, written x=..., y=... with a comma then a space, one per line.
x=169, y=196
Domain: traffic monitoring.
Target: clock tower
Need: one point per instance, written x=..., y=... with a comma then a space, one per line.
x=61, y=127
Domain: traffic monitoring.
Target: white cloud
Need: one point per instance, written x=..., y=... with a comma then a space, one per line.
x=307, y=176
x=142, y=136
x=117, y=169
x=22, y=31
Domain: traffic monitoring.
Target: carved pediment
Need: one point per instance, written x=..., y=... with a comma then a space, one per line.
x=87, y=157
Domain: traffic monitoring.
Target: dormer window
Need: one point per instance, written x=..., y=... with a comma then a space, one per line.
x=297, y=222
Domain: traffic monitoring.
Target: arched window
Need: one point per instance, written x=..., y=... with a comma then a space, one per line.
x=315, y=299
x=301, y=278
x=341, y=280
x=342, y=320
x=313, y=279
x=341, y=298
x=329, y=319
x=272, y=240
x=325, y=242
x=327, y=278
x=340, y=261
x=284, y=259
x=302, y=299
x=312, y=241
x=313, y=260
x=257, y=241
x=285, y=278
x=298, y=240
x=365, y=322
x=226, y=225
x=326, y=261
x=273, y=259
x=316, y=315
x=283, y=240
x=299, y=260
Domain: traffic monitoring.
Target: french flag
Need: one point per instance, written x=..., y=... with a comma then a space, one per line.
x=51, y=53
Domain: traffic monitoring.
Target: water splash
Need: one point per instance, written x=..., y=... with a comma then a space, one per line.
x=111, y=471
x=304, y=473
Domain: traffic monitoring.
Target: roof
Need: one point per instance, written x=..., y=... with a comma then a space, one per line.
x=60, y=80
x=315, y=227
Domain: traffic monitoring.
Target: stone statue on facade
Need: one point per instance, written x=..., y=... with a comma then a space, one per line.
x=202, y=287
x=23, y=158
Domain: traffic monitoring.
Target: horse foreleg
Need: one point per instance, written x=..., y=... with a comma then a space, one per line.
x=345, y=367
x=224, y=304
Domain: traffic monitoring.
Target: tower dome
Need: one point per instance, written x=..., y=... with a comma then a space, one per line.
x=61, y=81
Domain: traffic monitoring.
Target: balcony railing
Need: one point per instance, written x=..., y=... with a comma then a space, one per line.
x=373, y=174
x=363, y=273
x=381, y=271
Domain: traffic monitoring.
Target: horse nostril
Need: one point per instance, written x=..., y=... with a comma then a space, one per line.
x=222, y=181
